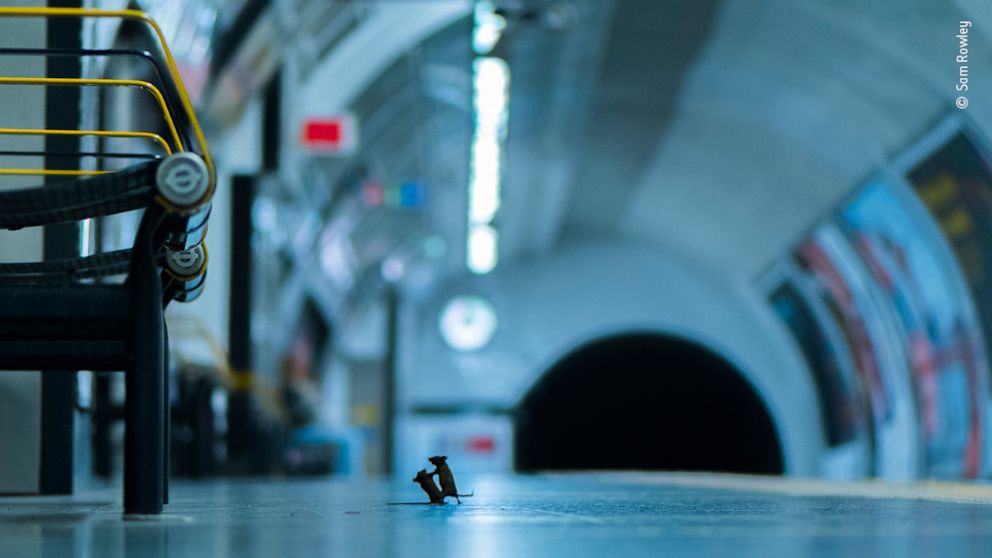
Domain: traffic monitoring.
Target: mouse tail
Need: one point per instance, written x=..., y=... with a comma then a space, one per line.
x=469, y=495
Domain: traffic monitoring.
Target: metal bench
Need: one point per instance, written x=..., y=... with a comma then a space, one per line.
x=65, y=314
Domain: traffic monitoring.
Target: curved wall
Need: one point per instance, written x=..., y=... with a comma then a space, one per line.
x=789, y=107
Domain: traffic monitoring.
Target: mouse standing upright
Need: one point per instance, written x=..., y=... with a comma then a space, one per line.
x=427, y=483
x=446, y=478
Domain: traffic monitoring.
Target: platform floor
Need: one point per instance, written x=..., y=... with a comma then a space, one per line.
x=573, y=516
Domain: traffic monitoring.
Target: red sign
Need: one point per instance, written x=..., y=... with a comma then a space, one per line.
x=331, y=134
x=480, y=444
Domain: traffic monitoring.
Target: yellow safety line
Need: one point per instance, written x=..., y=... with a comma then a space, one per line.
x=937, y=491
x=170, y=62
x=52, y=172
x=105, y=133
x=107, y=83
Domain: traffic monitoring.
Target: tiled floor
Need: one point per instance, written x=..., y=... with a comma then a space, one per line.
x=568, y=516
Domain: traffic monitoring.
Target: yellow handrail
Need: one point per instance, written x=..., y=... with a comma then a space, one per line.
x=104, y=133
x=107, y=83
x=170, y=61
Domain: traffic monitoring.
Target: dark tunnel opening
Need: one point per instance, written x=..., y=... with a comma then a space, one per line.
x=648, y=402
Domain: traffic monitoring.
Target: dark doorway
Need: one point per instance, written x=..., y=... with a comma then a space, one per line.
x=645, y=401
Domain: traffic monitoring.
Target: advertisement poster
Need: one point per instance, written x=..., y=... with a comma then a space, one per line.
x=938, y=335
x=955, y=183
x=839, y=294
x=835, y=392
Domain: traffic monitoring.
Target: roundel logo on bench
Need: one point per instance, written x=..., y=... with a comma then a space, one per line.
x=186, y=263
x=183, y=178
x=185, y=259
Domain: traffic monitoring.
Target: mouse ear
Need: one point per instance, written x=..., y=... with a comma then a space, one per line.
x=444, y=457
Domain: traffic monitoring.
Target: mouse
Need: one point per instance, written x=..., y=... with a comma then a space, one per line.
x=427, y=483
x=446, y=478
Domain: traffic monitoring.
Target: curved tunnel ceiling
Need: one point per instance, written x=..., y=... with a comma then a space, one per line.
x=645, y=58
x=687, y=123
x=684, y=123
x=790, y=106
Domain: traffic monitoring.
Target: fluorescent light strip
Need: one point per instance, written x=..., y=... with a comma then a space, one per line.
x=491, y=85
x=483, y=249
x=488, y=27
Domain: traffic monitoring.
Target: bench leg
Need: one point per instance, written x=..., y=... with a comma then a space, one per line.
x=167, y=416
x=144, y=431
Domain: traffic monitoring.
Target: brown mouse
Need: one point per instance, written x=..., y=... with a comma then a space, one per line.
x=446, y=478
x=427, y=483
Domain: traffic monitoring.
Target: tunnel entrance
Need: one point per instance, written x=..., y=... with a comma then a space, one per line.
x=645, y=401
